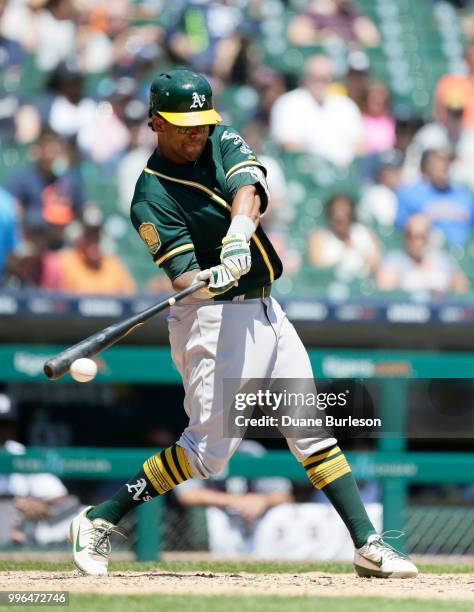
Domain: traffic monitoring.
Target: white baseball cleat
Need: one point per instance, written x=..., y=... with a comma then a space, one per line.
x=90, y=543
x=378, y=559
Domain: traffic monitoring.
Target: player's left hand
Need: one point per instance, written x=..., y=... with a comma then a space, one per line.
x=219, y=280
x=235, y=255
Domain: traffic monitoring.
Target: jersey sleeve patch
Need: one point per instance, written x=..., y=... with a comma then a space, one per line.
x=150, y=236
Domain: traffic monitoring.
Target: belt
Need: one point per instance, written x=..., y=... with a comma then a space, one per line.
x=252, y=294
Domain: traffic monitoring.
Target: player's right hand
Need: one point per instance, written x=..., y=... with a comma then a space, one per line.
x=220, y=280
x=235, y=254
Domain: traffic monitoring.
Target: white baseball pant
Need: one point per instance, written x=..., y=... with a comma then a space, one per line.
x=213, y=341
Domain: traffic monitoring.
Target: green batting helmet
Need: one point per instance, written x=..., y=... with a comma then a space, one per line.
x=183, y=98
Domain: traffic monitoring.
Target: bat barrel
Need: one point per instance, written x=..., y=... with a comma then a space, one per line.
x=58, y=365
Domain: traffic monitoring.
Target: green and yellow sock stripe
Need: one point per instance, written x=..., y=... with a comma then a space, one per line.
x=167, y=469
x=327, y=466
x=181, y=459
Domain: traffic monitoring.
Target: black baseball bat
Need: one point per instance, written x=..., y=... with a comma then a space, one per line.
x=60, y=364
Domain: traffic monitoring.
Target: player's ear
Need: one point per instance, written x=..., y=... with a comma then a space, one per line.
x=158, y=123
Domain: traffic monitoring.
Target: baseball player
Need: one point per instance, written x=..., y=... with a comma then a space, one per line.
x=197, y=207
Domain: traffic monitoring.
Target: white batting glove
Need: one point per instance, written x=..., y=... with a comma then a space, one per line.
x=235, y=254
x=220, y=280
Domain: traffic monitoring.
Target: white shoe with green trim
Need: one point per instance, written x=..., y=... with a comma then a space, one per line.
x=90, y=543
x=378, y=559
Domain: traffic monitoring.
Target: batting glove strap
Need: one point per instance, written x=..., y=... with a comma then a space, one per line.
x=235, y=254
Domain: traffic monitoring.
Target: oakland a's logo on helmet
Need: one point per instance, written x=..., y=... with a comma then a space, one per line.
x=198, y=100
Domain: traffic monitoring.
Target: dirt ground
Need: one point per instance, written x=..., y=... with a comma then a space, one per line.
x=427, y=586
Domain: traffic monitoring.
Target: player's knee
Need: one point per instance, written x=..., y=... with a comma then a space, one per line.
x=203, y=465
x=305, y=447
x=206, y=457
x=210, y=466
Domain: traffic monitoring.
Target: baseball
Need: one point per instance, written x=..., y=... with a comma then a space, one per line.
x=83, y=370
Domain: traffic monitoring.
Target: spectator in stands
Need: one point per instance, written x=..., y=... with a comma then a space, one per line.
x=100, y=33
x=8, y=228
x=85, y=268
x=63, y=107
x=24, y=12
x=377, y=121
x=235, y=505
x=35, y=508
x=135, y=157
x=106, y=137
x=56, y=40
x=449, y=207
x=407, y=123
x=109, y=39
x=270, y=85
x=209, y=36
x=447, y=131
x=12, y=54
x=280, y=212
x=45, y=28
x=348, y=247
x=379, y=203
x=420, y=269
x=460, y=86
x=50, y=189
x=137, y=50
x=357, y=77
x=33, y=264
x=313, y=119
x=325, y=20
x=11, y=59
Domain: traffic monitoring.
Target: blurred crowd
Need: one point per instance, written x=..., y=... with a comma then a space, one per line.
x=74, y=78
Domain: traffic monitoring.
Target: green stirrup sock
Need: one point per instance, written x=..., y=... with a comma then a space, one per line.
x=328, y=470
x=159, y=474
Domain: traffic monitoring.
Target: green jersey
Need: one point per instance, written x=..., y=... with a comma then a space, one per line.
x=182, y=212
